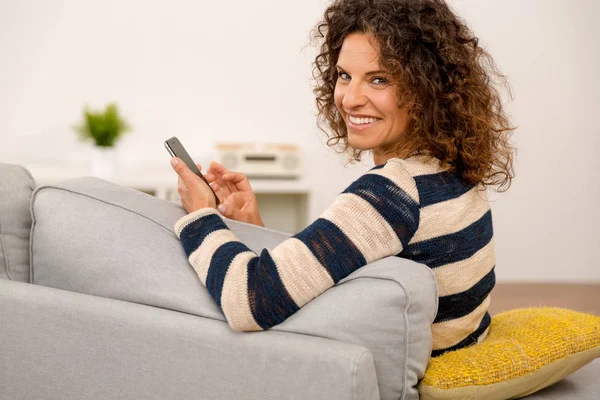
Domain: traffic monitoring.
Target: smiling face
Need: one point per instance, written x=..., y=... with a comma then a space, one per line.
x=367, y=99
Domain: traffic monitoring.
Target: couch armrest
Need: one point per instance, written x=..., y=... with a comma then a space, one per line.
x=57, y=344
x=387, y=306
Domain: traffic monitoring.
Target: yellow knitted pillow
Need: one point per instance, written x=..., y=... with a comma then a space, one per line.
x=526, y=350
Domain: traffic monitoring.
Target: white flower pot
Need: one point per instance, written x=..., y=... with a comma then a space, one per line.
x=103, y=162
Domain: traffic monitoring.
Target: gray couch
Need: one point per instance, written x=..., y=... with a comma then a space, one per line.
x=99, y=302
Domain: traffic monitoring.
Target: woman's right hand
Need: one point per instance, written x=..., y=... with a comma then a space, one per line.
x=238, y=201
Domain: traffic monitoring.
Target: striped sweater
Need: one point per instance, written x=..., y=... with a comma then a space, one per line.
x=409, y=208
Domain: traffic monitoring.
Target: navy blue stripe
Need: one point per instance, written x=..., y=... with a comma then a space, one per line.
x=461, y=304
x=393, y=203
x=435, y=188
x=270, y=301
x=195, y=232
x=332, y=248
x=469, y=340
x=452, y=248
x=378, y=167
x=219, y=264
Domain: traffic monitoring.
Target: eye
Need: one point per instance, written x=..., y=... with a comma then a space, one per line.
x=344, y=76
x=379, y=81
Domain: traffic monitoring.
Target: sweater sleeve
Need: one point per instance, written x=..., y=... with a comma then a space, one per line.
x=375, y=217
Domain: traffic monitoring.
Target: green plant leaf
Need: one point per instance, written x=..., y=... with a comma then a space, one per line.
x=104, y=128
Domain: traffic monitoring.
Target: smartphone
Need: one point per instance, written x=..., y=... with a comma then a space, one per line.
x=176, y=149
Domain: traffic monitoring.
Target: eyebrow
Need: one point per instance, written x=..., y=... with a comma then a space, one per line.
x=379, y=71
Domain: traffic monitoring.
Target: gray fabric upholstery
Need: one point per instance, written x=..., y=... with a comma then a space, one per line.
x=92, y=237
x=60, y=345
x=16, y=186
x=386, y=306
x=57, y=344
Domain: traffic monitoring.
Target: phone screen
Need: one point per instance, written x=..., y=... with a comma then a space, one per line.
x=176, y=149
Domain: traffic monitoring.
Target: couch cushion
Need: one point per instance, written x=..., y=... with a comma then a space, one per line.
x=16, y=186
x=97, y=238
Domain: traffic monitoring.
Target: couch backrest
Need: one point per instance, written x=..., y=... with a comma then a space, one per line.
x=98, y=238
x=16, y=187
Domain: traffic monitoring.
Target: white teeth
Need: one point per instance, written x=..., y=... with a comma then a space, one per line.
x=360, y=121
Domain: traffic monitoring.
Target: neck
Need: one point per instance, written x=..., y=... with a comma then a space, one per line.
x=382, y=157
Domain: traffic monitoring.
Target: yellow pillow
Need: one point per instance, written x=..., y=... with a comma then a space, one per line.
x=526, y=350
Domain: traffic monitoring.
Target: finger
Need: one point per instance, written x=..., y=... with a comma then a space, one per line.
x=210, y=177
x=239, y=180
x=228, y=207
x=218, y=190
x=215, y=173
x=224, y=209
x=217, y=168
x=219, y=185
x=184, y=172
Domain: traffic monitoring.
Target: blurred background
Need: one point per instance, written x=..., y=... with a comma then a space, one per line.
x=214, y=72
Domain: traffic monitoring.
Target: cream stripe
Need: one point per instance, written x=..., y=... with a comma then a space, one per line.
x=482, y=337
x=200, y=258
x=449, y=333
x=188, y=219
x=364, y=226
x=462, y=275
x=451, y=216
x=301, y=273
x=422, y=165
x=394, y=170
x=234, y=295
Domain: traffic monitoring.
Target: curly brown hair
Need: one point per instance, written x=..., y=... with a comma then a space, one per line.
x=442, y=76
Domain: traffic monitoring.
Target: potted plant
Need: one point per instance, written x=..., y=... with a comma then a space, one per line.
x=104, y=129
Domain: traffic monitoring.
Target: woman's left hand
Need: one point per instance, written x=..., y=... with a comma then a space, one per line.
x=194, y=192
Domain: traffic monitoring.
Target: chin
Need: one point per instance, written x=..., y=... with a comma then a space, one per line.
x=358, y=144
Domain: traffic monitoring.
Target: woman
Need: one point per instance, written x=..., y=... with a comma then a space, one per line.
x=406, y=81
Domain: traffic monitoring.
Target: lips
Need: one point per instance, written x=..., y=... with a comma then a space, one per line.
x=359, y=123
x=361, y=120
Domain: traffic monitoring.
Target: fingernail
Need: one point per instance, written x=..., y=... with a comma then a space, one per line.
x=174, y=161
x=222, y=208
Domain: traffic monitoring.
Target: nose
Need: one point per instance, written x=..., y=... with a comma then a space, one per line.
x=354, y=96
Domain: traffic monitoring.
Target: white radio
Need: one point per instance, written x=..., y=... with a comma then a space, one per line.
x=261, y=160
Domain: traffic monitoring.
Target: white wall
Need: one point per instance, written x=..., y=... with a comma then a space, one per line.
x=211, y=71
x=547, y=225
